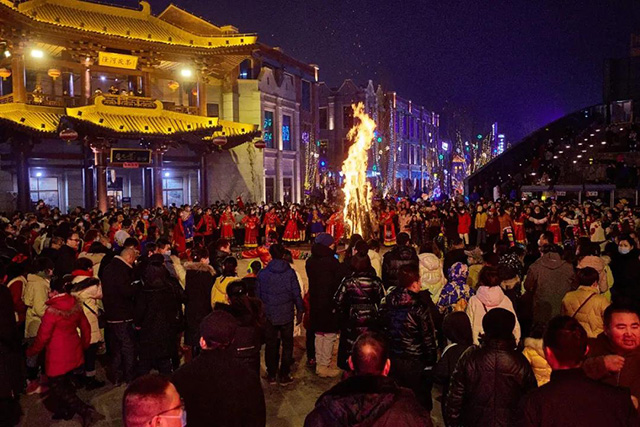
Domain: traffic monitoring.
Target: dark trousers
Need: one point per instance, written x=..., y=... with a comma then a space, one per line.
x=311, y=345
x=274, y=334
x=10, y=411
x=163, y=365
x=410, y=373
x=63, y=393
x=90, y=356
x=122, y=346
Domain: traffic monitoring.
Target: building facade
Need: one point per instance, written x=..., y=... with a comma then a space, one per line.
x=103, y=106
x=407, y=153
x=280, y=94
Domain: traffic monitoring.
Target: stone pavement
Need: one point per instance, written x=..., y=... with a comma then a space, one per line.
x=286, y=406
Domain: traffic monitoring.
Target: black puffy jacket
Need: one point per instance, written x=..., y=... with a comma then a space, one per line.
x=358, y=300
x=407, y=323
x=250, y=333
x=393, y=260
x=198, y=283
x=325, y=274
x=487, y=385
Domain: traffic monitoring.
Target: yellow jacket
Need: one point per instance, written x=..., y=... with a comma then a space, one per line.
x=590, y=315
x=219, y=290
x=481, y=219
x=535, y=355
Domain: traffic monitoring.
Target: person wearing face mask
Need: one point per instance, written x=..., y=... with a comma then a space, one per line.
x=151, y=400
x=625, y=267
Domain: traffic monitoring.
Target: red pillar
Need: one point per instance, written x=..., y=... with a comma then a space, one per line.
x=157, y=178
x=100, y=149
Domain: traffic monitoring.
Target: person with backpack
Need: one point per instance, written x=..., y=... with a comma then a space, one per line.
x=358, y=300
x=586, y=304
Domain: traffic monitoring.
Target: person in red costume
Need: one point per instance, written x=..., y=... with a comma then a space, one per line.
x=386, y=219
x=335, y=225
x=251, y=226
x=518, y=227
x=205, y=227
x=262, y=252
x=227, y=222
x=270, y=221
x=292, y=230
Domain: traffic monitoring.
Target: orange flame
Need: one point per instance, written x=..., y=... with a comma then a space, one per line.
x=357, y=191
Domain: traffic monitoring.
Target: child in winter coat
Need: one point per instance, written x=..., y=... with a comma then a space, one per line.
x=456, y=328
x=489, y=296
x=58, y=334
x=456, y=293
x=431, y=275
x=534, y=352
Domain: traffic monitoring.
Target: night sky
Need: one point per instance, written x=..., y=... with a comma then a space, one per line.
x=521, y=63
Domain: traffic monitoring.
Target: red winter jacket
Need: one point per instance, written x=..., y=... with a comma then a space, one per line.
x=58, y=333
x=464, y=223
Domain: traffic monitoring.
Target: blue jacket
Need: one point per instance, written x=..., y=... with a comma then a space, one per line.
x=279, y=290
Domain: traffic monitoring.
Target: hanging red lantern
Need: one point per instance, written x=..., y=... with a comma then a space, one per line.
x=260, y=144
x=173, y=85
x=220, y=140
x=68, y=135
x=194, y=91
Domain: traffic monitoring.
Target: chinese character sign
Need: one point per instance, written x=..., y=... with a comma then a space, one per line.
x=108, y=59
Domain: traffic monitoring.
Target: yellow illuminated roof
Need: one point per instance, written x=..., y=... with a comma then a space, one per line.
x=130, y=23
x=234, y=128
x=136, y=120
x=32, y=117
x=146, y=118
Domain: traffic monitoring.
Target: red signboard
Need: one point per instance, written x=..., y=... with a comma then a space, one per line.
x=131, y=165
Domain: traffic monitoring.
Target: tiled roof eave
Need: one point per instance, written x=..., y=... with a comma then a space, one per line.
x=64, y=30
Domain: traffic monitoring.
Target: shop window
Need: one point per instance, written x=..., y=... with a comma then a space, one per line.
x=172, y=191
x=286, y=133
x=270, y=189
x=45, y=189
x=287, y=189
x=267, y=129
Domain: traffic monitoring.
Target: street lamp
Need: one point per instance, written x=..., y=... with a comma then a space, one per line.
x=37, y=53
x=185, y=72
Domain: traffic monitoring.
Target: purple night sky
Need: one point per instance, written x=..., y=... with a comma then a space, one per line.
x=522, y=63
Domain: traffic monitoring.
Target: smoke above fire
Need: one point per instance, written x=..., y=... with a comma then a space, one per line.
x=356, y=189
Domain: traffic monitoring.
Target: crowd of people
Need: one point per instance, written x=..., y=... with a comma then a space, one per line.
x=520, y=312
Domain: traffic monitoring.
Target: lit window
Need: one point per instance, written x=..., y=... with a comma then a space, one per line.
x=267, y=129
x=44, y=188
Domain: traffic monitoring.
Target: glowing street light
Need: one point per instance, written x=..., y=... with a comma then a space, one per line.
x=37, y=53
x=185, y=72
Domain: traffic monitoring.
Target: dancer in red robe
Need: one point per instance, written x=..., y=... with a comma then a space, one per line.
x=335, y=225
x=270, y=221
x=227, y=222
x=251, y=226
x=518, y=229
x=386, y=219
x=292, y=230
